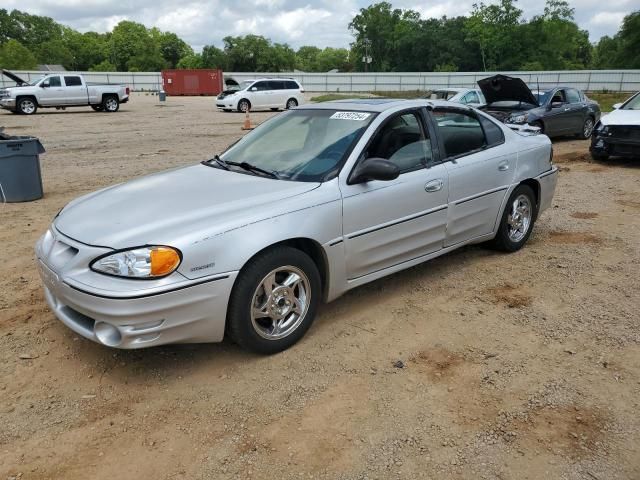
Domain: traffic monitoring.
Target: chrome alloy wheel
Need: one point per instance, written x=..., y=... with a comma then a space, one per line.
x=27, y=106
x=111, y=104
x=588, y=128
x=280, y=302
x=519, y=219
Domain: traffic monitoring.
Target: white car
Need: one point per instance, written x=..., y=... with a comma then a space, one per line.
x=262, y=94
x=617, y=134
x=467, y=96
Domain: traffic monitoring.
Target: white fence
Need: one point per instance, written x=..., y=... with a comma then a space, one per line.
x=589, y=80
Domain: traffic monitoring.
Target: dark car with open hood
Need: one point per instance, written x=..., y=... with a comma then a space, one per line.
x=556, y=111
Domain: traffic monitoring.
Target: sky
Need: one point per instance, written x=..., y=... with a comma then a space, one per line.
x=323, y=23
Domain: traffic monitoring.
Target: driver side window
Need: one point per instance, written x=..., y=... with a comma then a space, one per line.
x=559, y=97
x=402, y=140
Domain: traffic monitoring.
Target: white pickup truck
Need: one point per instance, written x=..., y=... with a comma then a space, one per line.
x=60, y=90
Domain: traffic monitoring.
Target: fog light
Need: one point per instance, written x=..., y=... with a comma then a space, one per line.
x=107, y=334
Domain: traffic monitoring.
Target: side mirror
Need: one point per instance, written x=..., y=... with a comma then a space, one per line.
x=254, y=89
x=374, y=169
x=616, y=106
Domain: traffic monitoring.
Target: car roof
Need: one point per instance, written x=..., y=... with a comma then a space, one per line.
x=375, y=104
x=453, y=89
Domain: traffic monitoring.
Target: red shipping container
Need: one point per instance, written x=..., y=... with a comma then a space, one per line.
x=192, y=82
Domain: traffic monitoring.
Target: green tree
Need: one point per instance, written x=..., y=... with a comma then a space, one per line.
x=213, y=57
x=191, y=61
x=307, y=58
x=14, y=55
x=172, y=47
x=103, y=66
x=629, y=38
x=134, y=48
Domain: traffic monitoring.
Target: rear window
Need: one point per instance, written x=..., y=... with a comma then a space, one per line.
x=291, y=85
x=72, y=81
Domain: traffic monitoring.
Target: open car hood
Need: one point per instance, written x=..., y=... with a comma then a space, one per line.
x=501, y=88
x=14, y=77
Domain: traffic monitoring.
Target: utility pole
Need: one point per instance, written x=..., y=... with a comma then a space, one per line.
x=367, y=58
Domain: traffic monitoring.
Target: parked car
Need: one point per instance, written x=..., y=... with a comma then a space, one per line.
x=556, y=111
x=617, y=134
x=61, y=91
x=310, y=204
x=467, y=96
x=261, y=94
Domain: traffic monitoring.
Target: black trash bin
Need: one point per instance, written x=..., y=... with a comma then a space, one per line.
x=20, y=179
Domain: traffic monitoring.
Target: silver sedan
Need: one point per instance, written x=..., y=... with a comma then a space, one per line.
x=314, y=202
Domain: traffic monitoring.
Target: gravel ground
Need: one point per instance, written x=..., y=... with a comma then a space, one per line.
x=476, y=365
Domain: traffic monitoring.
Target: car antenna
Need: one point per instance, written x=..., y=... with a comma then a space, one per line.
x=538, y=82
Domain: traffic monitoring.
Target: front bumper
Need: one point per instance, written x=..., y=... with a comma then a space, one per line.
x=191, y=312
x=614, y=146
x=8, y=103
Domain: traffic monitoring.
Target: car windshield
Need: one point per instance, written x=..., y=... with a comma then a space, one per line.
x=542, y=97
x=633, y=104
x=302, y=145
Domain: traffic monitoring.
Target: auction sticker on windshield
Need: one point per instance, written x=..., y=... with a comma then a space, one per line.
x=358, y=116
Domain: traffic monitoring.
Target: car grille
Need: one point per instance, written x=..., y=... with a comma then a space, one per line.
x=626, y=132
x=625, y=149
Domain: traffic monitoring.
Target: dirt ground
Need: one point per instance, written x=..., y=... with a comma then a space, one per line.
x=476, y=365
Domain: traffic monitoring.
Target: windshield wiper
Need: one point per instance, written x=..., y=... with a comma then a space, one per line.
x=243, y=165
x=253, y=168
x=220, y=162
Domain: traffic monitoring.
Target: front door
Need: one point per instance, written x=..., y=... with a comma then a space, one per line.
x=52, y=91
x=387, y=223
x=480, y=168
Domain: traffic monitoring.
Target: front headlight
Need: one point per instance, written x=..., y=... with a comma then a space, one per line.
x=146, y=262
x=519, y=119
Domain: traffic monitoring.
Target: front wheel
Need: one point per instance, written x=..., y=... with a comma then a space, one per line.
x=587, y=129
x=27, y=106
x=274, y=300
x=110, y=104
x=517, y=220
x=243, y=106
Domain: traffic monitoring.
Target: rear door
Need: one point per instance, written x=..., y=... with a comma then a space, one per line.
x=480, y=167
x=579, y=110
x=279, y=93
x=74, y=90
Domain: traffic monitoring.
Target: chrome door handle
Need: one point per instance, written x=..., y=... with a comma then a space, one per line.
x=503, y=167
x=434, y=185
x=567, y=109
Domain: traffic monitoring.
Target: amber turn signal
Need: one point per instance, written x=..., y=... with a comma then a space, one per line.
x=164, y=260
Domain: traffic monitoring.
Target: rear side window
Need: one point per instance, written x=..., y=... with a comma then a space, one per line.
x=276, y=84
x=461, y=132
x=72, y=81
x=291, y=85
x=492, y=132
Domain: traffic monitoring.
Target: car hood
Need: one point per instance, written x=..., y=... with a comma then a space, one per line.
x=621, y=117
x=501, y=88
x=15, y=78
x=162, y=207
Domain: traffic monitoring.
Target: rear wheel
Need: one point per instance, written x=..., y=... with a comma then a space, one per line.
x=110, y=104
x=27, y=106
x=587, y=129
x=517, y=220
x=274, y=300
x=292, y=103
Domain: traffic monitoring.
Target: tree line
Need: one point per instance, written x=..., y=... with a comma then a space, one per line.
x=492, y=37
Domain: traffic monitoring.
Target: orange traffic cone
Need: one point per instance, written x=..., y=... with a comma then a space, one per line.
x=247, y=121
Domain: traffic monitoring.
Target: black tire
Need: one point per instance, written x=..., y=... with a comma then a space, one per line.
x=110, y=104
x=291, y=103
x=275, y=109
x=226, y=110
x=26, y=106
x=244, y=105
x=600, y=157
x=503, y=240
x=587, y=128
x=240, y=326
x=97, y=108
